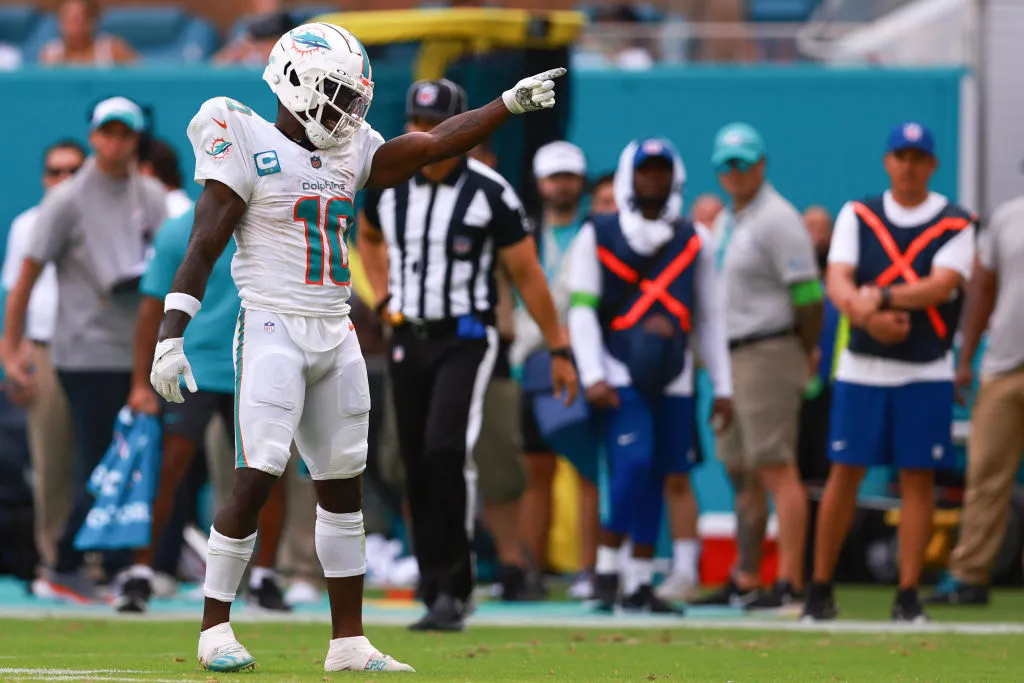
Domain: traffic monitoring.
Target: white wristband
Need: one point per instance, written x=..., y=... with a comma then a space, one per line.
x=179, y=301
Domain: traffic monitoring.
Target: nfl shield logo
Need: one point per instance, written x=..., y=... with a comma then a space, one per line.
x=461, y=245
x=913, y=132
x=315, y=162
x=268, y=327
x=426, y=96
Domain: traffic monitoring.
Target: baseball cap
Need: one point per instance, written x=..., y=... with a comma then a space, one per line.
x=117, y=109
x=653, y=148
x=737, y=141
x=911, y=135
x=435, y=100
x=559, y=157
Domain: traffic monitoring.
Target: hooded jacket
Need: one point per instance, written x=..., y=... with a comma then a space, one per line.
x=594, y=362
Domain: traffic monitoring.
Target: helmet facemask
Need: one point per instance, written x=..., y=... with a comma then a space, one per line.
x=336, y=106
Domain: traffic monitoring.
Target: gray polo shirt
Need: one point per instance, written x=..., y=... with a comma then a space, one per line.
x=96, y=230
x=767, y=249
x=1001, y=249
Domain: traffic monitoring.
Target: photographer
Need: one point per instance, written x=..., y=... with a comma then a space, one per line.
x=95, y=228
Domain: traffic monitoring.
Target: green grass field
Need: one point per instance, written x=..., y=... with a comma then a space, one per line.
x=145, y=650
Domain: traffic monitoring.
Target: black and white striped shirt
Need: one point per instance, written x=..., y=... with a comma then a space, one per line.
x=443, y=240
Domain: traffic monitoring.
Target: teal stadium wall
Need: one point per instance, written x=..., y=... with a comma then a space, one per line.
x=825, y=128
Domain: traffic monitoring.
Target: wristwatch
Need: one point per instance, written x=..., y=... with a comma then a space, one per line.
x=886, y=301
x=381, y=307
x=562, y=352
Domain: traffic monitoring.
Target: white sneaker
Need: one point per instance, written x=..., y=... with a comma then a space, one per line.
x=583, y=587
x=302, y=593
x=678, y=586
x=219, y=650
x=357, y=654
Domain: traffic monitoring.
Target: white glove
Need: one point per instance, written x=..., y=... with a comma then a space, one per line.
x=169, y=364
x=533, y=93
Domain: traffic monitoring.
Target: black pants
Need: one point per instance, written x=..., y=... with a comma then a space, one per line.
x=94, y=399
x=438, y=387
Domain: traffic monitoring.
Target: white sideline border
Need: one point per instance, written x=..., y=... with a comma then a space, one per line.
x=625, y=621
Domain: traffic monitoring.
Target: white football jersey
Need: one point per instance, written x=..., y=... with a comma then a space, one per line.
x=292, y=257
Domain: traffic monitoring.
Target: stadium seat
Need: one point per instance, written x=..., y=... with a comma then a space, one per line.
x=17, y=23
x=161, y=33
x=45, y=30
x=781, y=10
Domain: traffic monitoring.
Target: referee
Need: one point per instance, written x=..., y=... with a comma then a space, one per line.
x=430, y=248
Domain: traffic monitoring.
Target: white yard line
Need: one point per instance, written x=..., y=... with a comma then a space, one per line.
x=525, y=619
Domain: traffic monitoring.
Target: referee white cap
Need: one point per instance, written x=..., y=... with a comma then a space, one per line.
x=559, y=157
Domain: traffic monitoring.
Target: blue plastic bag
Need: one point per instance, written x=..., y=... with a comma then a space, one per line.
x=124, y=485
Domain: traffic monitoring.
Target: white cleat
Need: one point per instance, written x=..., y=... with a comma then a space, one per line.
x=219, y=650
x=678, y=586
x=357, y=654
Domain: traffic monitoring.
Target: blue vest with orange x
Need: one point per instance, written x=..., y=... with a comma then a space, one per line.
x=891, y=255
x=634, y=289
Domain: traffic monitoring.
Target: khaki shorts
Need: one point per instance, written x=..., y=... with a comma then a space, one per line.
x=768, y=379
x=499, y=449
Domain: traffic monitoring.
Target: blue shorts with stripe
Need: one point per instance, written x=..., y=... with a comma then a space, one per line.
x=908, y=426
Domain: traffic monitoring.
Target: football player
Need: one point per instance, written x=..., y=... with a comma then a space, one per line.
x=285, y=191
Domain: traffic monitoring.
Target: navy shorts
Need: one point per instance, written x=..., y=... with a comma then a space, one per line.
x=664, y=433
x=190, y=419
x=909, y=426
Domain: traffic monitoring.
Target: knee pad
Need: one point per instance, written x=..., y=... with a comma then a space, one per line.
x=340, y=543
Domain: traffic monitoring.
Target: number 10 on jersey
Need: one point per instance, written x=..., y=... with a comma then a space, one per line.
x=325, y=232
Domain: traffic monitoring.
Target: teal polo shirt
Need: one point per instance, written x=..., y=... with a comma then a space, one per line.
x=210, y=335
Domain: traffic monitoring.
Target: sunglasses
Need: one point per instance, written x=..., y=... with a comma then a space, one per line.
x=740, y=165
x=57, y=171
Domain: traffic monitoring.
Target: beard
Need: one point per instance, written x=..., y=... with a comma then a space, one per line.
x=650, y=203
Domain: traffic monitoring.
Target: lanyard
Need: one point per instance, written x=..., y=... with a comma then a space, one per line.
x=723, y=243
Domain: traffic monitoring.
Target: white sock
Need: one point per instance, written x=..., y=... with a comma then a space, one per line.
x=607, y=560
x=226, y=560
x=340, y=543
x=643, y=571
x=257, y=575
x=140, y=571
x=350, y=642
x=685, y=554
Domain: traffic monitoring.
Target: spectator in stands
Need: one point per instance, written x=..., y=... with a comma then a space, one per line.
x=616, y=43
x=705, y=209
x=773, y=319
x=96, y=228
x=78, y=43
x=895, y=269
x=996, y=441
x=602, y=195
x=267, y=23
x=560, y=169
x=727, y=40
x=159, y=160
x=50, y=432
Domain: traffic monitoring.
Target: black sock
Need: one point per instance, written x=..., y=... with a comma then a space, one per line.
x=907, y=597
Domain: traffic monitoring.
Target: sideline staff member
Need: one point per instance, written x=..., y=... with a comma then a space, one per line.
x=432, y=245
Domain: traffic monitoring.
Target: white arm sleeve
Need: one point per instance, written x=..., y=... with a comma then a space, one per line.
x=372, y=141
x=584, y=326
x=957, y=254
x=710, y=318
x=218, y=133
x=845, y=247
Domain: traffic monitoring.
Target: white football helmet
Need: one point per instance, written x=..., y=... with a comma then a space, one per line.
x=321, y=74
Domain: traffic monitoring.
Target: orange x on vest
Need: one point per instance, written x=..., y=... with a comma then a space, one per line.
x=656, y=290
x=901, y=263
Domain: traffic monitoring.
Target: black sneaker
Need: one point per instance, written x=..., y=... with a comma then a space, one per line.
x=447, y=613
x=728, y=595
x=952, y=591
x=908, y=608
x=606, y=591
x=520, y=585
x=134, y=597
x=782, y=594
x=644, y=600
x=819, y=605
x=268, y=595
